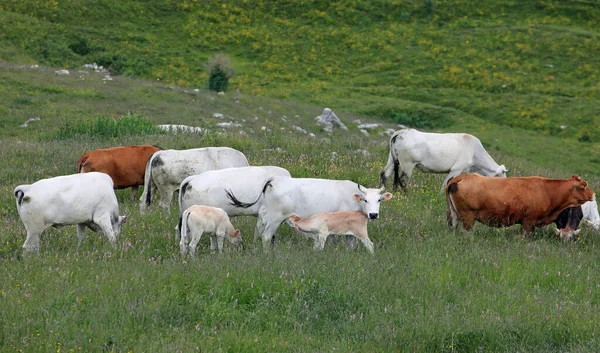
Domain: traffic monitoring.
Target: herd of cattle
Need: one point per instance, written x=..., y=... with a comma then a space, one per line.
x=216, y=183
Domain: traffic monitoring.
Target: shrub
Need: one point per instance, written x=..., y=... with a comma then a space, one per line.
x=132, y=124
x=220, y=70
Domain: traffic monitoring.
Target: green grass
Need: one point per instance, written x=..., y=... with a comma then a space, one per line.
x=509, y=72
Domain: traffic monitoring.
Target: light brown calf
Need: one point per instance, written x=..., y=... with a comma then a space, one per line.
x=205, y=219
x=321, y=225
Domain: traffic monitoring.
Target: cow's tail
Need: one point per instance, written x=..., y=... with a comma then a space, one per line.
x=183, y=225
x=147, y=194
x=452, y=214
x=81, y=162
x=20, y=194
x=237, y=203
x=392, y=166
x=182, y=190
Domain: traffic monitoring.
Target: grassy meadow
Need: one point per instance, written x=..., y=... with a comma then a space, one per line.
x=512, y=73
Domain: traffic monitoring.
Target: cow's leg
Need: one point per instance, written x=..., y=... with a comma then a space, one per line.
x=268, y=234
x=351, y=242
x=32, y=242
x=220, y=237
x=404, y=174
x=213, y=242
x=195, y=239
x=80, y=234
x=103, y=221
x=527, y=228
x=259, y=228
x=166, y=195
x=134, y=192
x=363, y=236
x=320, y=239
x=451, y=216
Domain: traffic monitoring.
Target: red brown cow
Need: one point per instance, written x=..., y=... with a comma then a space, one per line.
x=126, y=165
x=498, y=202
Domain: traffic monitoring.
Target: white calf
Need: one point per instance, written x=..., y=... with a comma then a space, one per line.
x=87, y=200
x=590, y=213
x=197, y=220
x=320, y=226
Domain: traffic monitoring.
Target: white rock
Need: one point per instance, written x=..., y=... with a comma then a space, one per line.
x=229, y=124
x=298, y=128
x=218, y=116
x=62, y=72
x=368, y=126
x=329, y=119
x=364, y=132
x=176, y=129
x=28, y=121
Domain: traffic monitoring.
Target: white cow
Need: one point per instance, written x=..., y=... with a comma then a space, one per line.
x=87, y=200
x=210, y=189
x=166, y=170
x=590, y=213
x=437, y=153
x=305, y=197
x=205, y=219
x=321, y=225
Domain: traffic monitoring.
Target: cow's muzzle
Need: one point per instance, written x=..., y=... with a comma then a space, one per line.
x=373, y=216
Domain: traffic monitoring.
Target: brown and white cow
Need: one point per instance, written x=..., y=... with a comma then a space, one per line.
x=498, y=202
x=126, y=165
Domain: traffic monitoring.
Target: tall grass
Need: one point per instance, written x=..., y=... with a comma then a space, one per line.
x=132, y=124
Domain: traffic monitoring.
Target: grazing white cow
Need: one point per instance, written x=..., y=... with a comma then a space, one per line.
x=437, y=153
x=87, y=200
x=205, y=219
x=166, y=170
x=210, y=189
x=321, y=225
x=305, y=197
x=590, y=213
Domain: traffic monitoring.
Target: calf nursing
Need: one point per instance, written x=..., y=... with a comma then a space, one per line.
x=320, y=226
x=197, y=220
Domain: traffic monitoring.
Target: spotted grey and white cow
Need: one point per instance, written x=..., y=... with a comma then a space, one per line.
x=210, y=189
x=568, y=221
x=452, y=153
x=87, y=200
x=167, y=169
x=305, y=197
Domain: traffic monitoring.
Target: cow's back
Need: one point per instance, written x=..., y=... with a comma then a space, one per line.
x=173, y=166
x=209, y=188
x=64, y=198
x=306, y=197
x=433, y=151
x=126, y=165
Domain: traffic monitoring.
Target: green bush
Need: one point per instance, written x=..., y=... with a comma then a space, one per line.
x=132, y=124
x=220, y=71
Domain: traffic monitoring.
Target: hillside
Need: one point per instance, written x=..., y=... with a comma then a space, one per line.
x=525, y=64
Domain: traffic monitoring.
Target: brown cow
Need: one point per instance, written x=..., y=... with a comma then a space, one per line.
x=126, y=165
x=498, y=202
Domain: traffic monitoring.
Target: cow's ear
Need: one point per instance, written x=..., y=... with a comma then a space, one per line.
x=387, y=196
x=124, y=219
x=557, y=232
x=236, y=233
x=576, y=177
x=357, y=197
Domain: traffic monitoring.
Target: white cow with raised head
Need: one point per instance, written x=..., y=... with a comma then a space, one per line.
x=305, y=197
x=198, y=220
x=210, y=189
x=87, y=200
x=166, y=170
x=452, y=153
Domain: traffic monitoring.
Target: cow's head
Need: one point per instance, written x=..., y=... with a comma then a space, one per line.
x=236, y=238
x=501, y=171
x=581, y=192
x=370, y=199
x=118, y=222
x=567, y=233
